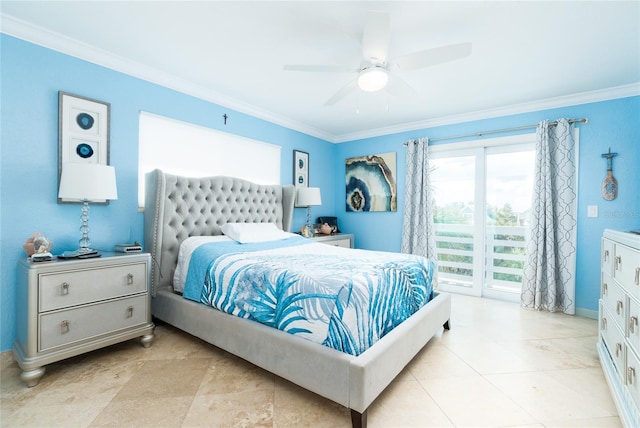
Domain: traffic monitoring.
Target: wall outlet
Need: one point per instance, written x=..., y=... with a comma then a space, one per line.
x=592, y=211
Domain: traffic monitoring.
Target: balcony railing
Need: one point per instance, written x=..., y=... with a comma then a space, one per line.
x=504, y=255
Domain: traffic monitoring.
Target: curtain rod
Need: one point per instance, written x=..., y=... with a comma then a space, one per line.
x=583, y=120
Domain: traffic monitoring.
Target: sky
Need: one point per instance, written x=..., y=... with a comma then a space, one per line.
x=509, y=179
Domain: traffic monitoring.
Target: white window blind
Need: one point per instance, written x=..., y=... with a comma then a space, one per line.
x=190, y=150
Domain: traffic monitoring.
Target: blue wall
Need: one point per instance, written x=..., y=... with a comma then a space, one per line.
x=614, y=124
x=32, y=76
x=30, y=80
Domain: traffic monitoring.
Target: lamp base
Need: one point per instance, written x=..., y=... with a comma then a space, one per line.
x=308, y=225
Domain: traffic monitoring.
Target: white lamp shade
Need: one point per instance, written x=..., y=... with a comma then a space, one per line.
x=373, y=79
x=308, y=196
x=87, y=182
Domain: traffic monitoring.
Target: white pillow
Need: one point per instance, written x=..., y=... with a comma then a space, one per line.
x=253, y=232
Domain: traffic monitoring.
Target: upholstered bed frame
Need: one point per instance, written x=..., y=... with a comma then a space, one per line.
x=179, y=207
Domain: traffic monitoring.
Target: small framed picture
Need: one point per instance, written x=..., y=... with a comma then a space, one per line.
x=83, y=131
x=300, y=168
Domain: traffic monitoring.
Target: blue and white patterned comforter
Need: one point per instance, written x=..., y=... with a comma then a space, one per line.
x=342, y=298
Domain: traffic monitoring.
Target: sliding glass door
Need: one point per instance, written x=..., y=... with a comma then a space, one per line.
x=482, y=203
x=455, y=215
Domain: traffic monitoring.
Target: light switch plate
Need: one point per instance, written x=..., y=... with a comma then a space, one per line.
x=592, y=211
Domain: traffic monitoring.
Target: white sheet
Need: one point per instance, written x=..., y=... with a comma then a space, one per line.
x=187, y=248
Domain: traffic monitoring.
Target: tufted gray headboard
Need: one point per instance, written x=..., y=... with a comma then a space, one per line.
x=179, y=207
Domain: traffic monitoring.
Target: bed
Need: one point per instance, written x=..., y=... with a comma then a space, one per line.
x=177, y=208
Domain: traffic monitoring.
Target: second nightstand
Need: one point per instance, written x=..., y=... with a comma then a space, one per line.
x=337, y=239
x=66, y=308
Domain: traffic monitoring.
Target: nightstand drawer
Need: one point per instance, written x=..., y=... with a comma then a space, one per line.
x=344, y=240
x=87, y=322
x=66, y=289
x=346, y=243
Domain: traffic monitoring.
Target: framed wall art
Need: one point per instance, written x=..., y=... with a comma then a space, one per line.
x=300, y=168
x=83, y=132
x=371, y=183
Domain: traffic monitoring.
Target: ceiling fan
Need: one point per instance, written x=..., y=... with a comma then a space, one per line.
x=376, y=71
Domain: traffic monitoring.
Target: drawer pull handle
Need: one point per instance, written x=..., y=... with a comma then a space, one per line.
x=605, y=257
x=603, y=324
x=631, y=375
x=618, y=262
x=618, y=349
x=638, y=276
x=619, y=307
x=65, y=288
x=64, y=327
x=633, y=324
x=129, y=311
x=605, y=289
x=129, y=278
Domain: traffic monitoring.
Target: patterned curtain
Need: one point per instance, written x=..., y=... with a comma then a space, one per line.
x=549, y=272
x=418, y=232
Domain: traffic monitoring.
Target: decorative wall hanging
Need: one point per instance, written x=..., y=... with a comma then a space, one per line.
x=300, y=168
x=83, y=132
x=609, y=184
x=371, y=183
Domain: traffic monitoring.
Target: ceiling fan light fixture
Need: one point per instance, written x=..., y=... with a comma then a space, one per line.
x=373, y=79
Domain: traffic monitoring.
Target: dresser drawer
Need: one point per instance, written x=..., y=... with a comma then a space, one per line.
x=633, y=329
x=72, y=288
x=613, y=339
x=87, y=322
x=615, y=300
x=626, y=269
x=606, y=256
x=633, y=371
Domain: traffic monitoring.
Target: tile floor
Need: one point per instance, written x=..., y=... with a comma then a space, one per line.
x=498, y=366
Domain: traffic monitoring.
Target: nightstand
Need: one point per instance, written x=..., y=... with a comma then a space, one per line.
x=69, y=307
x=337, y=239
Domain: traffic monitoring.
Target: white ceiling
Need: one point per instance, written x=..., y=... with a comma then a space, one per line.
x=525, y=54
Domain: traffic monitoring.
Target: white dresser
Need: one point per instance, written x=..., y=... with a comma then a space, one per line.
x=66, y=308
x=619, y=344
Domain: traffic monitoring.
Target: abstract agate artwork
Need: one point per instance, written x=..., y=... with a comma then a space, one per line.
x=371, y=183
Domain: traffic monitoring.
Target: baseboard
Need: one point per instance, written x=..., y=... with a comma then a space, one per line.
x=587, y=313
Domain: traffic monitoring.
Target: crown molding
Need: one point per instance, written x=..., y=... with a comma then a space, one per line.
x=68, y=46
x=606, y=94
x=72, y=47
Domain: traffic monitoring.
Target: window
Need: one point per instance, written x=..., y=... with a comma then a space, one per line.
x=483, y=193
x=190, y=150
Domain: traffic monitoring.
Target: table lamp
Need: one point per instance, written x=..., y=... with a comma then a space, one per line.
x=87, y=182
x=308, y=197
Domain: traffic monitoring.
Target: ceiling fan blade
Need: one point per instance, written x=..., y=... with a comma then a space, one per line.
x=375, y=41
x=430, y=57
x=319, y=68
x=346, y=90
